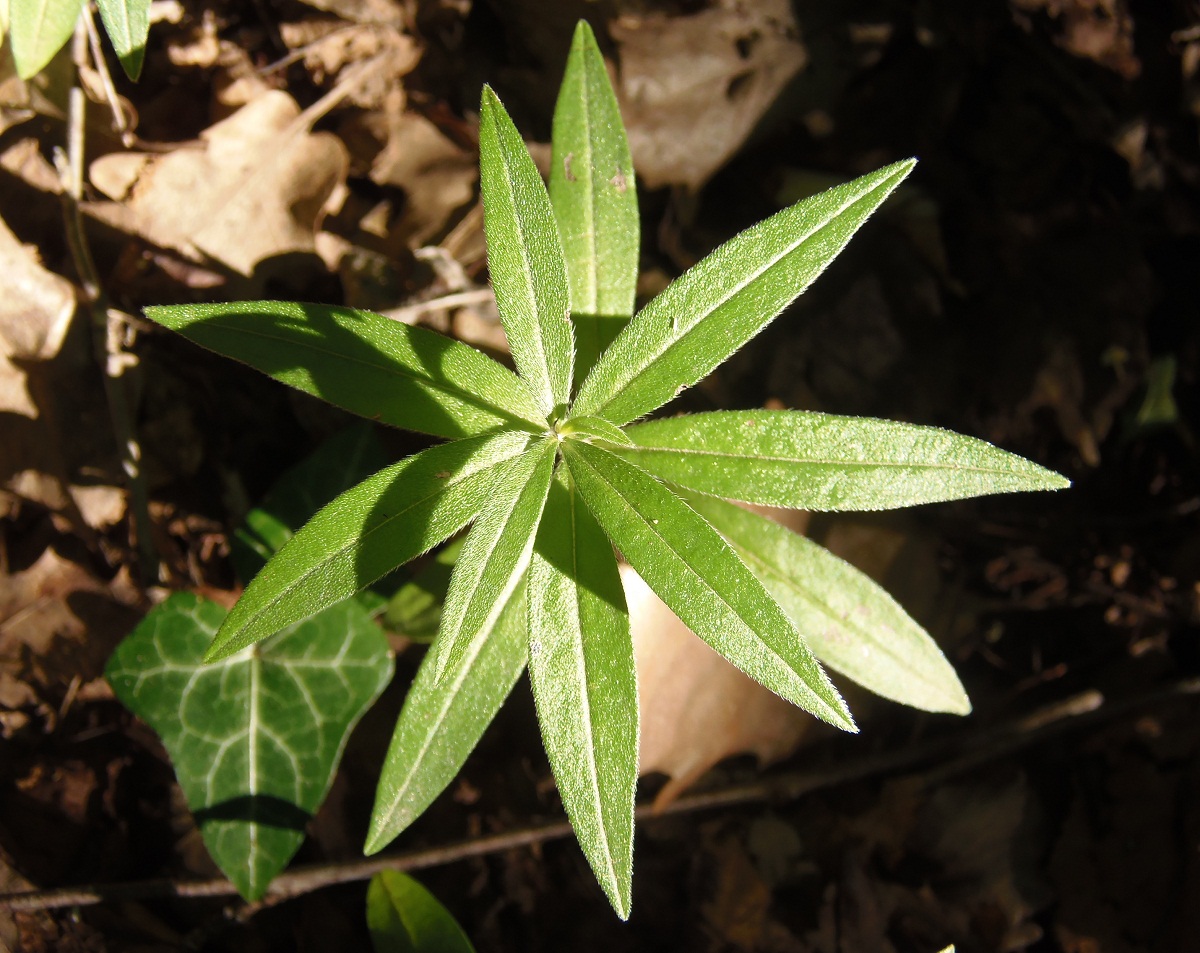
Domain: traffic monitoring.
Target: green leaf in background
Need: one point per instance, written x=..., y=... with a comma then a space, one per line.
x=850, y=623
x=404, y=917
x=415, y=609
x=720, y=303
x=585, y=684
x=335, y=466
x=595, y=203
x=38, y=29
x=444, y=718
x=496, y=553
x=525, y=259
x=127, y=23
x=391, y=517
x=812, y=461
x=256, y=739
x=701, y=579
x=365, y=363
x=595, y=428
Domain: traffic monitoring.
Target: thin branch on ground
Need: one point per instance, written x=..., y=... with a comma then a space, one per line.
x=949, y=756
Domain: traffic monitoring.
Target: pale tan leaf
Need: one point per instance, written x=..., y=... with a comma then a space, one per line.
x=255, y=189
x=692, y=88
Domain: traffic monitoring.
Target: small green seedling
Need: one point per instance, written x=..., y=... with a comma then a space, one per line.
x=37, y=29
x=552, y=474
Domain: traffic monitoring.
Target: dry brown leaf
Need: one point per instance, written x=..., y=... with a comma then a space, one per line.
x=1099, y=30
x=255, y=189
x=696, y=708
x=692, y=88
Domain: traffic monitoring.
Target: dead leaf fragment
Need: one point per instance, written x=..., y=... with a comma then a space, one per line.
x=692, y=88
x=254, y=190
x=1099, y=30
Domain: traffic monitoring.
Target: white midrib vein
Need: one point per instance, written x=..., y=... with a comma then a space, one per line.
x=252, y=726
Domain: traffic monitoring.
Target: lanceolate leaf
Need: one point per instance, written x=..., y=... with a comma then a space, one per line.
x=254, y=740
x=585, y=683
x=595, y=201
x=386, y=520
x=404, y=917
x=443, y=719
x=813, y=461
x=850, y=623
x=496, y=553
x=38, y=29
x=696, y=573
x=127, y=23
x=525, y=259
x=719, y=304
x=380, y=369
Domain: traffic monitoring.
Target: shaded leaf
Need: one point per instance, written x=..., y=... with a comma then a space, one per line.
x=254, y=740
x=37, y=29
x=803, y=460
x=362, y=362
x=386, y=520
x=695, y=572
x=715, y=307
x=585, y=684
x=127, y=23
x=593, y=193
x=849, y=621
x=525, y=259
x=496, y=552
x=444, y=718
x=404, y=917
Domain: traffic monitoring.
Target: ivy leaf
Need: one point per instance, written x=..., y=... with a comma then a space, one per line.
x=720, y=303
x=595, y=203
x=254, y=740
x=585, y=684
x=37, y=29
x=365, y=363
x=388, y=519
x=850, y=622
x=696, y=573
x=525, y=259
x=810, y=461
x=127, y=23
x=496, y=552
x=444, y=718
x=404, y=917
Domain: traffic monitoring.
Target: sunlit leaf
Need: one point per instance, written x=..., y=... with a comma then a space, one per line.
x=388, y=519
x=850, y=623
x=595, y=203
x=811, y=461
x=364, y=363
x=37, y=29
x=443, y=719
x=715, y=307
x=696, y=573
x=255, y=739
x=525, y=259
x=585, y=684
x=127, y=23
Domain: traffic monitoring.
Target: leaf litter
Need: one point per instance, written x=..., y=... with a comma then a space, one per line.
x=1061, y=272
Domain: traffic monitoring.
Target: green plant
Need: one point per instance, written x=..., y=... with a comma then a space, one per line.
x=37, y=29
x=550, y=471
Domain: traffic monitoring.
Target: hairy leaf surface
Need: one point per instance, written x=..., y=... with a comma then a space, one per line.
x=525, y=259
x=585, y=683
x=365, y=363
x=715, y=307
x=812, y=461
x=388, y=519
x=595, y=203
x=849, y=621
x=696, y=573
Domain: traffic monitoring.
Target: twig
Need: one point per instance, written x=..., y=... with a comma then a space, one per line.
x=108, y=323
x=120, y=120
x=958, y=753
x=410, y=314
